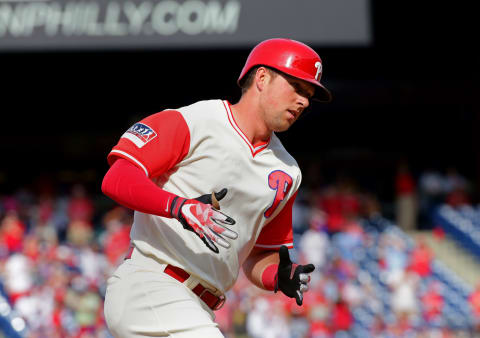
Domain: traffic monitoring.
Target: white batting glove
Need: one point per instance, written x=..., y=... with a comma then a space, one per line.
x=198, y=215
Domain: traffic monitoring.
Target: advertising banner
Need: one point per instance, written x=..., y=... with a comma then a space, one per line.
x=174, y=24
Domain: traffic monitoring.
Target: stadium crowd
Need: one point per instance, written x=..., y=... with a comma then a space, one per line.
x=57, y=250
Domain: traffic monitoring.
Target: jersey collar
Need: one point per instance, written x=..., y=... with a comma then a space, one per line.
x=254, y=148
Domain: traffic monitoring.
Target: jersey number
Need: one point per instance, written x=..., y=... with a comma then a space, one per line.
x=281, y=183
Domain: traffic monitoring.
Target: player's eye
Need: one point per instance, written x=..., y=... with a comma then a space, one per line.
x=308, y=94
x=302, y=91
x=297, y=88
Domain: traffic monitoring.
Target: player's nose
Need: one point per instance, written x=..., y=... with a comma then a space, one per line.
x=303, y=101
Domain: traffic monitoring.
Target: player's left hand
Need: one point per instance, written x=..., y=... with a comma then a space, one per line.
x=201, y=217
x=292, y=279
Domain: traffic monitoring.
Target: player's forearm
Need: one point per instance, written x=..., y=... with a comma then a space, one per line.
x=127, y=185
x=261, y=267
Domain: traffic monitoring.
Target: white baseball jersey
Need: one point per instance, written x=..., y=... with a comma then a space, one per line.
x=198, y=149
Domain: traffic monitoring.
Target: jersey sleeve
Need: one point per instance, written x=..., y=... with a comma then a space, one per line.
x=279, y=231
x=155, y=144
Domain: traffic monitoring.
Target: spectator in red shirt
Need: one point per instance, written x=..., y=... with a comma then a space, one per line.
x=342, y=319
x=117, y=237
x=421, y=259
x=332, y=205
x=12, y=231
x=341, y=204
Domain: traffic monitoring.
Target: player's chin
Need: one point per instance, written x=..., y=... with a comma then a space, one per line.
x=283, y=123
x=283, y=127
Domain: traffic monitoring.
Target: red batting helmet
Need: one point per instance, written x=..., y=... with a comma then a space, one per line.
x=290, y=57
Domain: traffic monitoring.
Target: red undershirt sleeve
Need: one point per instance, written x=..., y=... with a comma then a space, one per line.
x=279, y=231
x=127, y=185
x=269, y=276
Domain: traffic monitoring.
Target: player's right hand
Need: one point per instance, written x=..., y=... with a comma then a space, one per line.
x=292, y=279
x=198, y=215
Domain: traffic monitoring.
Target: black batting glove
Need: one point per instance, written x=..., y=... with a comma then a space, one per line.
x=207, y=222
x=292, y=279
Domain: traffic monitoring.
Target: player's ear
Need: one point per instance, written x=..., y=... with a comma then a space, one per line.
x=261, y=77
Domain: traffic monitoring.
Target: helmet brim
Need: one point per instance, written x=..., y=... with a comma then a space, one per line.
x=322, y=94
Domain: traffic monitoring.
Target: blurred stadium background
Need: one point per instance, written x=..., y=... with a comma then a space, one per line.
x=388, y=209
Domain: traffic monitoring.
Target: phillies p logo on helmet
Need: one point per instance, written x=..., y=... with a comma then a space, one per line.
x=318, y=65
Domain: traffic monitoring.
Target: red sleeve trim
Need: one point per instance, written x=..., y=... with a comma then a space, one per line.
x=116, y=154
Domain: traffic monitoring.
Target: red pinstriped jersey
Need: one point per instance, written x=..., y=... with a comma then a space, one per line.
x=198, y=149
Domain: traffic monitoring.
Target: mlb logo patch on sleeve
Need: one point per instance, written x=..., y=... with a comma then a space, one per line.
x=140, y=134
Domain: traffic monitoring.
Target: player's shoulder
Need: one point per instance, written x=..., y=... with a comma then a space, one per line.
x=281, y=153
x=204, y=114
x=204, y=108
x=200, y=109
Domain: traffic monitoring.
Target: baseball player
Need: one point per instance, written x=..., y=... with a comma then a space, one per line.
x=212, y=188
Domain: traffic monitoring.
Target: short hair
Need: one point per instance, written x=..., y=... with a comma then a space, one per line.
x=247, y=80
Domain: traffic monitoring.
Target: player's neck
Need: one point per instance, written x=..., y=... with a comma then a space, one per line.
x=249, y=120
